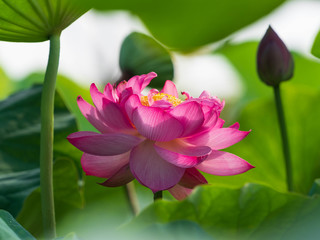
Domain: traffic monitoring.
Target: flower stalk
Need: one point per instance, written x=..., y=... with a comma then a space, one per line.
x=46, y=143
x=284, y=136
x=157, y=195
x=132, y=198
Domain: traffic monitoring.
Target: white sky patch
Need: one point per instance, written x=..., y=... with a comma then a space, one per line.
x=212, y=73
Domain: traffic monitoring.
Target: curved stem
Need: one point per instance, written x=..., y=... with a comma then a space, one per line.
x=46, y=143
x=157, y=195
x=284, y=136
x=132, y=198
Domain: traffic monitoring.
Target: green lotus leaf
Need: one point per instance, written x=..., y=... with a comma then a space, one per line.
x=251, y=212
x=185, y=24
x=315, y=50
x=36, y=20
x=19, y=144
x=11, y=229
x=67, y=195
x=141, y=54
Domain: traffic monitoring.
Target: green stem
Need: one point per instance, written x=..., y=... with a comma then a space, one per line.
x=157, y=195
x=132, y=198
x=284, y=136
x=46, y=143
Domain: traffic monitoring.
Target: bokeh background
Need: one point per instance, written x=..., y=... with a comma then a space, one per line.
x=253, y=205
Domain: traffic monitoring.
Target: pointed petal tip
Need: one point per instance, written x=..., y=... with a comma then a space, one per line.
x=235, y=125
x=152, y=74
x=250, y=166
x=224, y=164
x=246, y=133
x=219, y=138
x=93, y=85
x=93, y=88
x=103, y=184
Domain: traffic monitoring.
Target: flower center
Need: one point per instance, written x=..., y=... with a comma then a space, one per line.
x=161, y=96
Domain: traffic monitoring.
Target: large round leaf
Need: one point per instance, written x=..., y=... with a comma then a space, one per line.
x=315, y=50
x=185, y=25
x=68, y=90
x=15, y=187
x=140, y=54
x=11, y=229
x=251, y=212
x=36, y=20
x=67, y=195
x=20, y=130
x=176, y=230
x=19, y=144
x=6, y=85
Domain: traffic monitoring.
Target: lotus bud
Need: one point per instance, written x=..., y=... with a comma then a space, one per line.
x=274, y=61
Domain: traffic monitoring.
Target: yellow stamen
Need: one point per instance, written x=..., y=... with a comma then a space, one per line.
x=169, y=98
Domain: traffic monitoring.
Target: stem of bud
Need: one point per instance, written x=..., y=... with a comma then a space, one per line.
x=157, y=195
x=284, y=137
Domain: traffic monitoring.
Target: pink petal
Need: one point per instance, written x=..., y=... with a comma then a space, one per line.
x=114, y=117
x=192, y=178
x=138, y=83
x=126, y=93
x=179, y=192
x=109, y=92
x=156, y=124
x=103, y=166
x=211, y=117
x=218, y=138
x=180, y=146
x=205, y=94
x=151, y=170
x=131, y=104
x=190, y=115
x=193, y=155
x=103, y=144
x=91, y=114
x=147, y=79
x=219, y=123
x=224, y=164
x=121, y=87
x=162, y=104
x=96, y=96
x=134, y=81
x=122, y=177
x=170, y=88
x=235, y=125
x=150, y=95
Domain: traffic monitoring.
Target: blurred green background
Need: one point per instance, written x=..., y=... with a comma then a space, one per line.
x=209, y=45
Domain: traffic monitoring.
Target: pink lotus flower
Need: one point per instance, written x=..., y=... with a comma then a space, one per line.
x=158, y=139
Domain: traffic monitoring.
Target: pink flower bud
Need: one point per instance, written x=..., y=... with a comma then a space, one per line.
x=274, y=61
